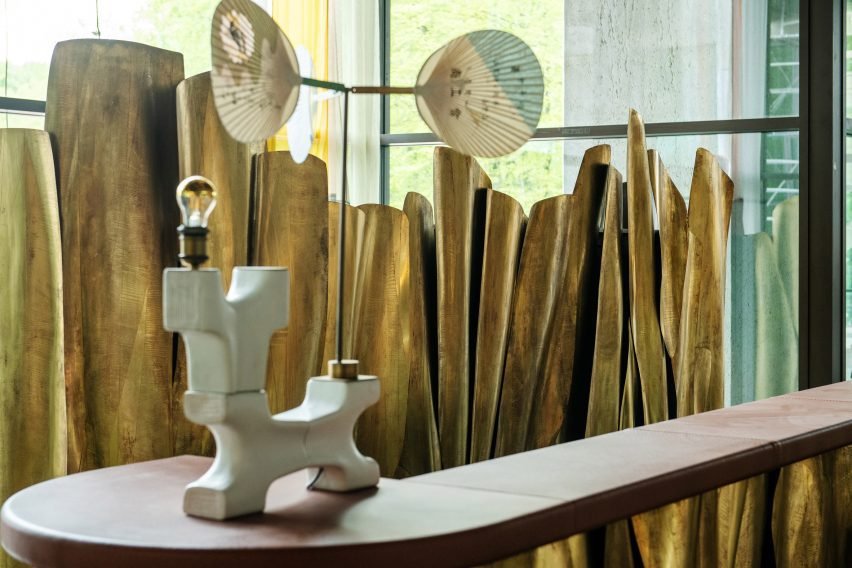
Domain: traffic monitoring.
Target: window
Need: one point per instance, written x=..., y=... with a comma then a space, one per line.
x=25, y=50
x=848, y=194
x=722, y=74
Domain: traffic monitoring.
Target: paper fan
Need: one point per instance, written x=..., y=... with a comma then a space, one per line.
x=482, y=93
x=300, y=127
x=255, y=73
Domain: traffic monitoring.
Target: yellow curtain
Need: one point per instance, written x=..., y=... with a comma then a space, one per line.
x=306, y=23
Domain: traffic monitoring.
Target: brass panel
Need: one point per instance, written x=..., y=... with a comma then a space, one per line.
x=629, y=399
x=420, y=451
x=116, y=172
x=541, y=276
x=554, y=385
x=647, y=337
x=775, y=368
x=678, y=521
x=291, y=212
x=456, y=177
x=842, y=482
x=740, y=517
x=32, y=382
x=605, y=391
x=573, y=552
x=801, y=515
x=568, y=553
x=504, y=228
x=667, y=536
x=671, y=212
x=618, y=552
x=812, y=511
x=700, y=369
x=383, y=337
x=785, y=231
x=355, y=220
x=206, y=149
x=605, y=388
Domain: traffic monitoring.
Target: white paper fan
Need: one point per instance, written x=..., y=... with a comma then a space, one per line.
x=482, y=93
x=255, y=73
x=300, y=127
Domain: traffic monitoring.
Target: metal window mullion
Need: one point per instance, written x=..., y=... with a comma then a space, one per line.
x=384, y=54
x=691, y=128
x=821, y=246
x=21, y=106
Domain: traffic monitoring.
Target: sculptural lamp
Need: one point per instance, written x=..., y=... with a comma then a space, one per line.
x=227, y=344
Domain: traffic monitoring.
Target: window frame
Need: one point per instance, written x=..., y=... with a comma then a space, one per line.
x=822, y=129
x=822, y=148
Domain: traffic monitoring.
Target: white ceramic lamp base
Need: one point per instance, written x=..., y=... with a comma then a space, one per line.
x=253, y=448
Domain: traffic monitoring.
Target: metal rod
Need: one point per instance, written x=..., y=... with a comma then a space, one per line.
x=382, y=90
x=735, y=126
x=21, y=106
x=324, y=84
x=341, y=236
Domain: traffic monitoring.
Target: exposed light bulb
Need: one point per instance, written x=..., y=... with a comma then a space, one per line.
x=196, y=198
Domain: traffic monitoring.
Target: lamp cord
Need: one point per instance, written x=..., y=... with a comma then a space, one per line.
x=314, y=482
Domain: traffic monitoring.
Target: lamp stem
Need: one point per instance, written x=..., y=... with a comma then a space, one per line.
x=341, y=235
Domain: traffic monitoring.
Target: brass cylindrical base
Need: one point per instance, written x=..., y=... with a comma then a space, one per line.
x=193, y=246
x=345, y=369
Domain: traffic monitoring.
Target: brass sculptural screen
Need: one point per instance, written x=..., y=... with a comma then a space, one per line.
x=760, y=336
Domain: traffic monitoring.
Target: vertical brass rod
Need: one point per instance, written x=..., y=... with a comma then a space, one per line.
x=341, y=235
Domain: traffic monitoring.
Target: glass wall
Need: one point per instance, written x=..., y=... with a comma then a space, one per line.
x=678, y=62
x=848, y=218
x=9, y=120
x=25, y=50
x=418, y=28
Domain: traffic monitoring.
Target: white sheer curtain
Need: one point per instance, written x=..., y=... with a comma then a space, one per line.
x=354, y=60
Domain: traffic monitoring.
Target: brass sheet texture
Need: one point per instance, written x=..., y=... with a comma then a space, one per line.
x=668, y=536
x=383, y=337
x=630, y=396
x=812, y=512
x=785, y=231
x=605, y=387
x=420, y=450
x=541, y=274
x=700, y=373
x=801, y=515
x=32, y=382
x=505, y=222
x=572, y=308
x=291, y=229
x=456, y=177
x=206, y=149
x=118, y=216
x=740, y=518
x=671, y=212
x=647, y=337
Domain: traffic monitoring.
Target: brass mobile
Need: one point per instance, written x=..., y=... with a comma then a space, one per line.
x=481, y=94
